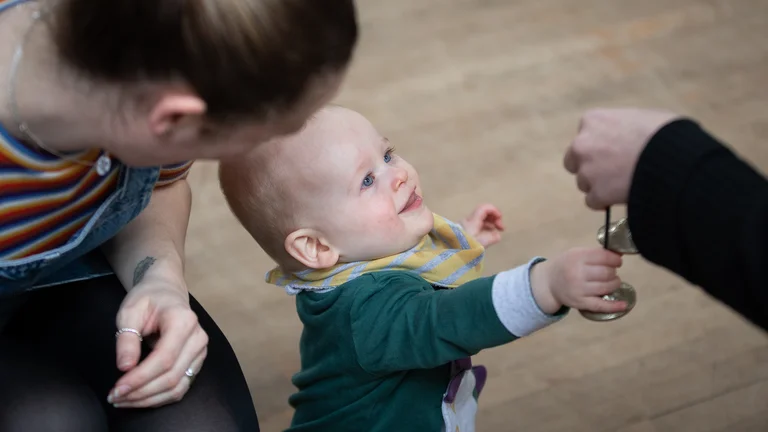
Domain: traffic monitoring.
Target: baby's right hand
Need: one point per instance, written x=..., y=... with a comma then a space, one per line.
x=578, y=279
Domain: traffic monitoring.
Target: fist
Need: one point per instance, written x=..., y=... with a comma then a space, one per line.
x=580, y=277
x=484, y=224
x=604, y=154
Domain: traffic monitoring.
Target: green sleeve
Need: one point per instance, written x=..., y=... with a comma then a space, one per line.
x=399, y=322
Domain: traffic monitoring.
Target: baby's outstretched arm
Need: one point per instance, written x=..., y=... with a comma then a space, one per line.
x=400, y=323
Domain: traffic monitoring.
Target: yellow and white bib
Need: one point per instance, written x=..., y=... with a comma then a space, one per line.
x=446, y=257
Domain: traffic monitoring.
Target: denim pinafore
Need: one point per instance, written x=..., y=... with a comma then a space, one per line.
x=79, y=259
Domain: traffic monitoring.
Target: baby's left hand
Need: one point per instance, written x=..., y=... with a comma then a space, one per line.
x=484, y=224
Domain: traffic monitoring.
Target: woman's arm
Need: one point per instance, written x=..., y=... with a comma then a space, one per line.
x=148, y=258
x=152, y=245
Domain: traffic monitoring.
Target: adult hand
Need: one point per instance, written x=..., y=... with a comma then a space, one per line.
x=156, y=307
x=604, y=154
x=484, y=224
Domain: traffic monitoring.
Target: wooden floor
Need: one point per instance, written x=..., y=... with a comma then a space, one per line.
x=483, y=96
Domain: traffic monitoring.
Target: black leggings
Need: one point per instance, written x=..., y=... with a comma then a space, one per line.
x=57, y=365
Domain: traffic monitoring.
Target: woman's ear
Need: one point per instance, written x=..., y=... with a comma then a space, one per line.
x=176, y=112
x=311, y=249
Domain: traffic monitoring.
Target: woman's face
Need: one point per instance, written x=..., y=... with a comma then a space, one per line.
x=145, y=145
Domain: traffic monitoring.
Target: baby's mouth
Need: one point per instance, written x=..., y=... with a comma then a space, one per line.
x=414, y=202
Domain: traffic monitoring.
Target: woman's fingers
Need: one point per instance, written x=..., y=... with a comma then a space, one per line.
x=175, y=327
x=194, y=350
x=172, y=395
x=128, y=344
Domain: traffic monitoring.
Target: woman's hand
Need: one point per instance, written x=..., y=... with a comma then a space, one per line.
x=160, y=308
x=484, y=224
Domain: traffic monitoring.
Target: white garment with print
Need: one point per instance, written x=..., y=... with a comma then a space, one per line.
x=459, y=416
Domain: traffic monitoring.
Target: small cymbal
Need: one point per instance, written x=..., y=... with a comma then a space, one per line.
x=619, y=238
x=625, y=293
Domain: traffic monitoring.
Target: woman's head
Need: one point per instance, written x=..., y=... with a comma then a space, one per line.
x=208, y=78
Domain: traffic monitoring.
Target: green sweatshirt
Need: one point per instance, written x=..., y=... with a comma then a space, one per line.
x=376, y=351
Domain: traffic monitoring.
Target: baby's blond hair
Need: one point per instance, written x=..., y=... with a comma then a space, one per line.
x=267, y=187
x=253, y=187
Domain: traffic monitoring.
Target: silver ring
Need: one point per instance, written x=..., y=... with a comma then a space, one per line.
x=190, y=374
x=129, y=330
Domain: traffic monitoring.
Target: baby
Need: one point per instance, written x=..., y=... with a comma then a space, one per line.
x=391, y=296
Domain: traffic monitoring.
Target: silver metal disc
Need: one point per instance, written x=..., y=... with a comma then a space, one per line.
x=625, y=293
x=619, y=238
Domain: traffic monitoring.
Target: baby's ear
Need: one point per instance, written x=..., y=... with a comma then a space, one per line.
x=311, y=249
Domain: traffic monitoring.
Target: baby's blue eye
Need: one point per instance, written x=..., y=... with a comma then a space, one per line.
x=387, y=157
x=368, y=181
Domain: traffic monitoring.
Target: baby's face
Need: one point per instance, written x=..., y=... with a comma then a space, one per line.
x=354, y=189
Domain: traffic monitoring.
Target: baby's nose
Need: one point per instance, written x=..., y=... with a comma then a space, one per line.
x=400, y=178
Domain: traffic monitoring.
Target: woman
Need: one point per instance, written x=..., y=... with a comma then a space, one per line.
x=103, y=105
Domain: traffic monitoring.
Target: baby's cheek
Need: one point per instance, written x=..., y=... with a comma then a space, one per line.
x=384, y=216
x=370, y=221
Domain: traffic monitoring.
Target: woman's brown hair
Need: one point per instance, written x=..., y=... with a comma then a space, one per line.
x=242, y=57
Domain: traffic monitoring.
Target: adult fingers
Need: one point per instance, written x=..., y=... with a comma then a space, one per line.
x=175, y=328
x=571, y=160
x=172, y=395
x=128, y=344
x=583, y=183
x=594, y=201
x=195, y=348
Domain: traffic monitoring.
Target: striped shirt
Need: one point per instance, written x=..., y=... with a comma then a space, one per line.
x=45, y=200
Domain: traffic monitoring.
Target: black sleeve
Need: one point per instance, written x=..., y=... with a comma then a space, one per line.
x=698, y=210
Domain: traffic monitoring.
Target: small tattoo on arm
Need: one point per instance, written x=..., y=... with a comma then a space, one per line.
x=142, y=268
